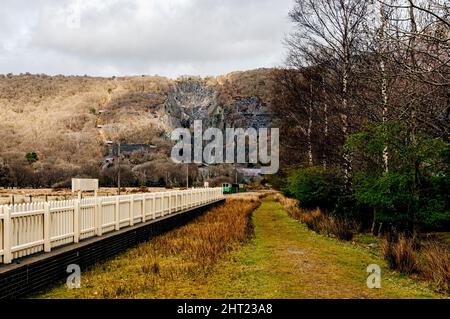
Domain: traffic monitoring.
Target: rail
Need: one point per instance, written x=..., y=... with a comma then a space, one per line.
x=27, y=229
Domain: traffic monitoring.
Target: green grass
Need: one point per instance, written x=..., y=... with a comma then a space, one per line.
x=283, y=260
x=286, y=260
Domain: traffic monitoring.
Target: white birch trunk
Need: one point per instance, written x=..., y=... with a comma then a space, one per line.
x=344, y=118
x=325, y=133
x=384, y=94
x=310, y=123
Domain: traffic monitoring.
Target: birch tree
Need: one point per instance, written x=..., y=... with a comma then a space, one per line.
x=329, y=32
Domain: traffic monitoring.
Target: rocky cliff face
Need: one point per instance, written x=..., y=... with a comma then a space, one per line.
x=248, y=112
x=194, y=99
x=189, y=100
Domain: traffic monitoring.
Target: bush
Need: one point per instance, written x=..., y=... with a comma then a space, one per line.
x=413, y=194
x=431, y=262
x=342, y=228
x=6, y=175
x=400, y=254
x=434, y=211
x=31, y=157
x=391, y=194
x=315, y=220
x=291, y=205
x=278, y=180
x=393, y=197
x=435, y=265
x=318, y=221
x=315, y=187
x=348, y=207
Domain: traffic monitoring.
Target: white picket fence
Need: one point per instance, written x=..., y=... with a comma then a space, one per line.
x=26, y=229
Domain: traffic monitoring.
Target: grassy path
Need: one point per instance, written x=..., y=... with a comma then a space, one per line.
x=286, y=260
x=283, y=260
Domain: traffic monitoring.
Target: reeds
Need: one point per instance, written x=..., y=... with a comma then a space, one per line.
x=435, y=265
x=317, y=220
x=211, y=235
x=429, y=260
x=400, y=254
x=184, y=254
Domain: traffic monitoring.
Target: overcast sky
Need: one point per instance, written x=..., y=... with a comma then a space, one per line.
x=133, y=37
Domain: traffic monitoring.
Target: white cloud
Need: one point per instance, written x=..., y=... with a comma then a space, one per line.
x=119, y=37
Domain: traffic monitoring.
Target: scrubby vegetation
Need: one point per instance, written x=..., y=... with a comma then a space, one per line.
x=400, y=254
x=412, y=194
x=56, y=127
x=315, y=187
x=434, y=265
x=318, y=220
x=367, y=113
x=395, y=198
x=155, y=269
x=282, y=259
x=429, y=260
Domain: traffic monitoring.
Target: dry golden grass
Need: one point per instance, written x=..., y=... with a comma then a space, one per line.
x=434, y=265
x=318, y=221
x=184, y=254
x=212, y=235
x=400, y=254
x=429, y=261
x=292, y=206
x=283, y=259
x=249, y=196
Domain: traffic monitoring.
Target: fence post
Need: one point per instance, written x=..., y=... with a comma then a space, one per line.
x=47, y=221
x=7, y=255
x=99, y=217
x=169, y=209
x=76, y=222
x=143, y=208
x=117, y=213
x=176, y=202
x=154, y=206
x=132, y=210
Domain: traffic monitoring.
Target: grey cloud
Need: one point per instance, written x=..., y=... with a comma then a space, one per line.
x=117, y=37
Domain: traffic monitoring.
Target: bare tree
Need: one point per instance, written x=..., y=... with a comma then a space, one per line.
x=329, y=33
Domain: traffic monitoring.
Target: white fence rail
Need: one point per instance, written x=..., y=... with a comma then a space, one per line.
x=26, y=229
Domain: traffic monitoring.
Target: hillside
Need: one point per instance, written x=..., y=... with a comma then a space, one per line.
x=66, y=120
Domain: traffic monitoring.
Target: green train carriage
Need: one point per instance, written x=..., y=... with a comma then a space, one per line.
x=232, y=188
